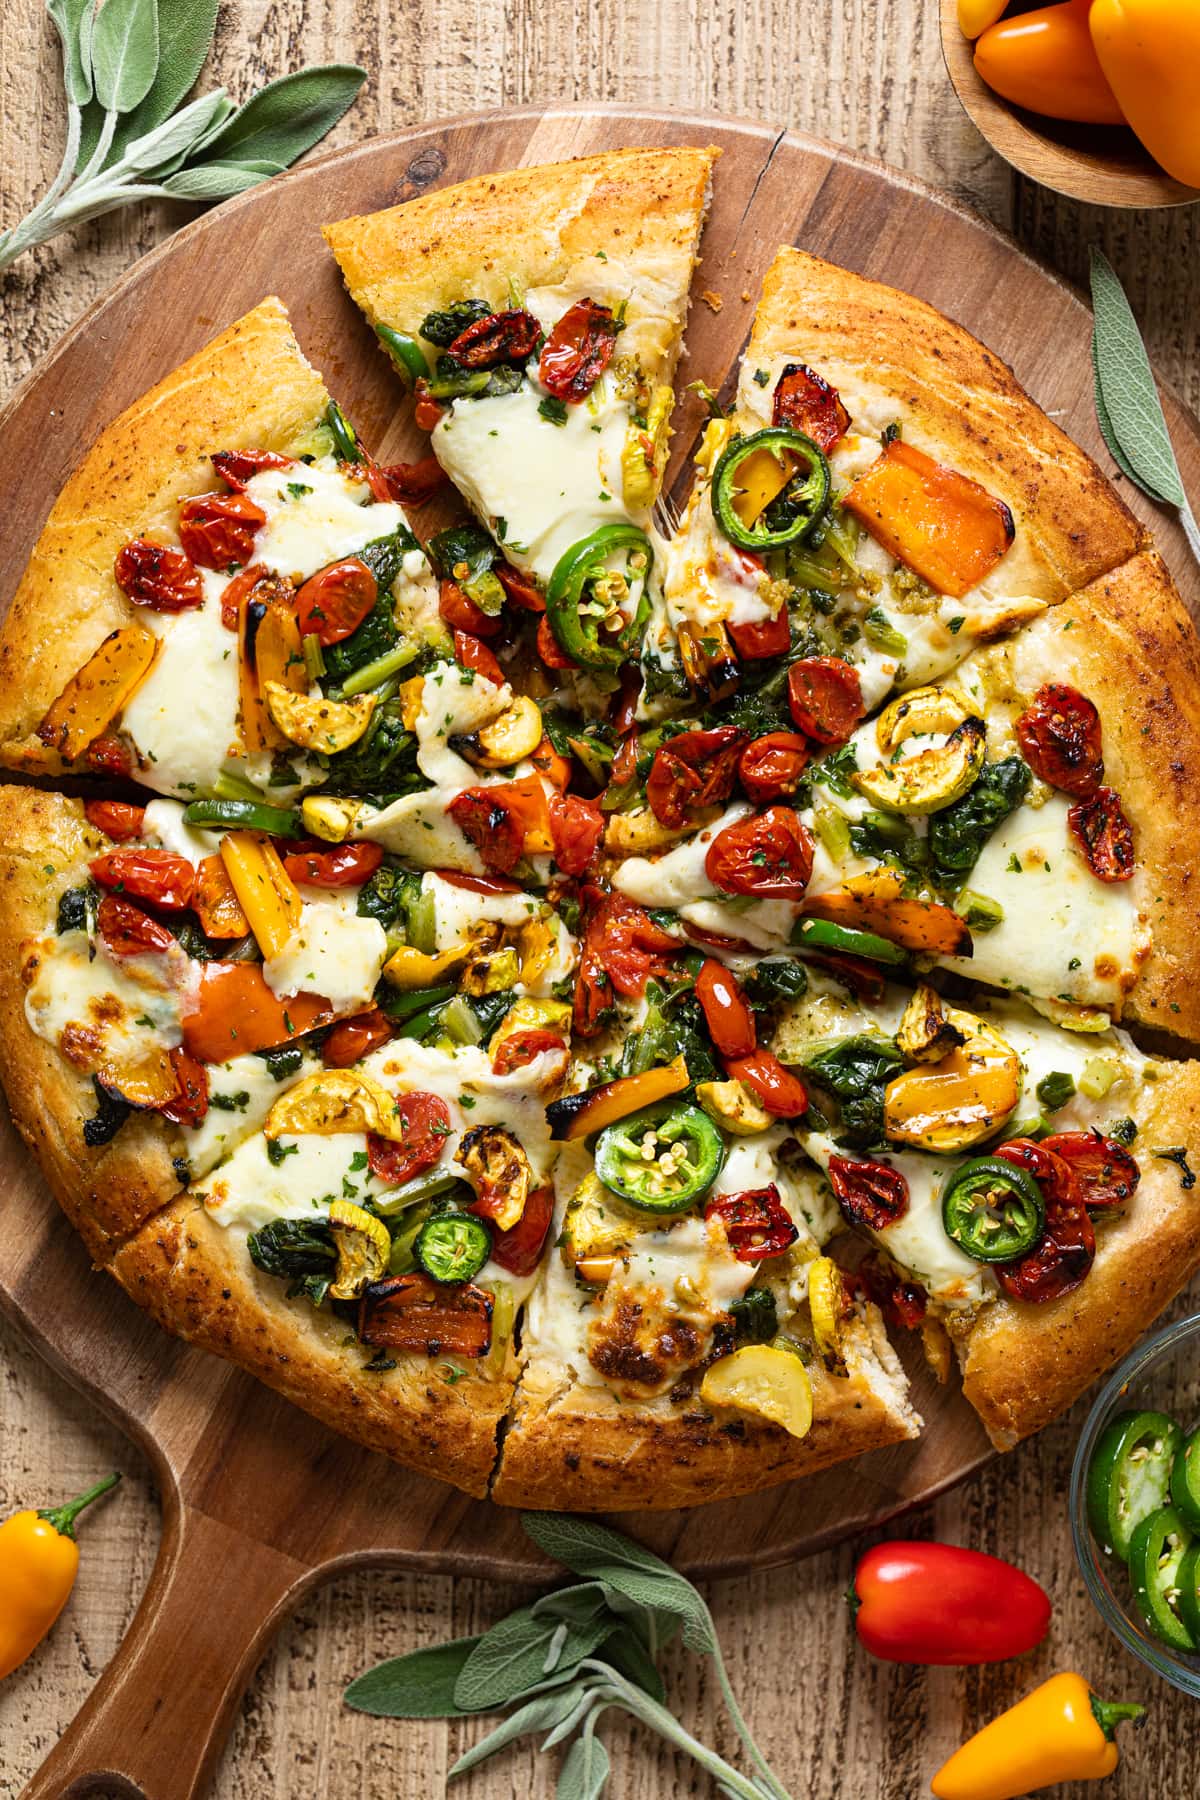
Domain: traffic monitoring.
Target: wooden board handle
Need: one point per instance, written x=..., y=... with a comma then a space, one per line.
x=156, y=1721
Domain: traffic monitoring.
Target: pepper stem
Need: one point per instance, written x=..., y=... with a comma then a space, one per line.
x=1109, y=1713
x=63, y=1517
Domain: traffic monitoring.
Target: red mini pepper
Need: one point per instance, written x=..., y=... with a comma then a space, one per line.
x=938, y=1603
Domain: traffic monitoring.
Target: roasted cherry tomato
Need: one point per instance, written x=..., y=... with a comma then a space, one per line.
x=804, y=401
x=492, y=825
x=116, y=818
x=332, y=865
x=765, y=637
x=757, y=1224
x=695, y=768
x=235, y=591
x=335, y=601
x=520, y=1048
x=577, y=828
x=1104, y=1169
x=869, y=1193
x=727, y=1012
x=780, y=1092
x=825, y=697
x=416, y=1313
x=632, y=948
x=472, y=653
x=770, y=768
x=520, y=1248
x=412, y=484
x=522, y=590
x=936, y=1604
x=769, y=855
x=352, y=1039
x=190, y=1104
x=1104, y=835
x=1059, y=735
x=237, y=467
x=461, y=613
x=478, y=884
x=153, y=875
x=578, y=350
x=1067, y=1249
x=623, y=707
x=219, y=529
x=902, y=1302
x=127, y=930
x=157, y=577
x=549, y=649
x=427, y=410
x=501, y=337
x=425, y=1119
x=109, y=755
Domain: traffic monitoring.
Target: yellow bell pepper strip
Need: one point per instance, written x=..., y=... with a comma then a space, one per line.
x=576, y=1116
x=974, y=16
x=1045, y=62
x=266, y=892
x=1060, y=1732
x=1149, y=51
x=39, y=1559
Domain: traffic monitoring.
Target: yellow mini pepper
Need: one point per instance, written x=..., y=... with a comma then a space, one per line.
x=38, y=1562
x=1150, y=52
x=975, y=16
x=1060, y=1732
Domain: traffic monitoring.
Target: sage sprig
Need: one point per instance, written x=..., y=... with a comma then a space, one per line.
x=128, y=67
x=570, y=1657
x=1127, y=403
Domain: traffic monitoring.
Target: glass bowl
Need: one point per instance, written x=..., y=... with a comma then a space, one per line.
x=1163, y=1375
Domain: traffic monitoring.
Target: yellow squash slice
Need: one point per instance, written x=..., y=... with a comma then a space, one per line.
x=331, y=1101
x=764, y=1380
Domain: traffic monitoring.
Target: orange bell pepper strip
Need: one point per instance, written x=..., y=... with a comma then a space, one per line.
x=1060, y=1732
x=576, y=1116
x=97, y=693
x=877, y=902
x=941, y=524
x=215, y=902
x=1045, y=61
x=234, y=1012
x=1149, y=51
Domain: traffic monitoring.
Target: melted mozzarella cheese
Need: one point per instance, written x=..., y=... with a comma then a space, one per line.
x=249, y=1190
x=458, y=910
x=183, y=719
x=240, y=1095
x=305, y=532
x=331, y=952
x=679, y=874
x=688, y=1264
x=707, y=580
x=419, y=828
x=164, y=825
x=454, y=702
x=754, y=1163
x=125, y=1009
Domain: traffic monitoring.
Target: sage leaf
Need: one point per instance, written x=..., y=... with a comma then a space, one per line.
x=185, y=34
x=124, y=53
x=522, y=1650
x=593, y=1550
x=542, y=1713
x=627, y=1653
x=417, y=1686
x=73, y=21
x=216, y=181
x=161, y=150
x=288, y=116
x=584, y=1774
x=1132, y=420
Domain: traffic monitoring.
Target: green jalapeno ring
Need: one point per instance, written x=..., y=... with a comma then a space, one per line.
x=574, y=572
x=1156, y=1551
x=665, y=1181
x=405, y=352
x=993, y=1210
x=807, y=492
x=1129, y=1476
x=452, y=1246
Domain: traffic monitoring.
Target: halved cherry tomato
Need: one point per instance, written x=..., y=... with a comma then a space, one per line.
x=718, y=940
x=461, y=613
x=757, y=1224
x=472, y=653
x=352, y=1039
x=521, y=1048
x=765, y=637
x=219, y=529
x=782, y=1094
x=501, y=337
x=825, y=697
x=696, y=768
x=804, y=401
x=548, y=648
x=869, y=1193
x=577, y=827
x=109, y=755
x=417, y=1314
x=478, y=884
x=771, y=766
x=521, y=589
x=332, y=865
x=412, y=484
x=556, y=769
x=578, y=350
x=128, y=931
x=157, y=577
x=1104, y=834
x=1060, y=739
x=631, y=947
x=335, y=601
x=215, y=902
x=527, y=800
x=235, y=591
x=237, y=467
x=1061, y=1259
x=233, y=1011
x=427, y=411
x=157, y=876
x=623, y=707
x=492, y=825
x=190, y=1104
x=1104, y=1169
x=727, y=1012
x=901, y=1302
x=426, y=1123
x=519, y=1249
x=116, y=818
x=769, y=855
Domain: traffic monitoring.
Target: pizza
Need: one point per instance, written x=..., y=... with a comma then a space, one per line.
x=581, y=989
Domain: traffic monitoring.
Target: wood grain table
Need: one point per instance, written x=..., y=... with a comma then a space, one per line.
x=867, y=73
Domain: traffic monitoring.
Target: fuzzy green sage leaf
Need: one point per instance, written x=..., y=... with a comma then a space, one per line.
x=418, y=1686
x=124, y=53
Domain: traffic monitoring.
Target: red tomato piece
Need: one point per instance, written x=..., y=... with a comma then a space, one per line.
x=237, y=467
x=190, y=1104
x=219, y=529
x=622, y=708
x=577, y=827
x=825, y=697
x=116, y=818
x=492, y=825
x=411, y=484
x=769, y=855
x=109, y=755
x=479, y=884
x=1104, y=835
x=501, y=337
x=414, y=1313
x=520, y=1248
x=156, y=876
x=521, y=1048
x=869, y=1193
x=157, y=577
x=1060, y=739
x=425, y=1121
x=902, y=1302
x=521, y=589
x=718, y=940
x=473, y=653
x=727, y=1012
x=332, y=865
x=352, y=1039
x=127, y=930
x=334, y=602
x=765, y=637
x=578, y=350
x=770, y=768
x=757, y=1224
x=549, y=648
x=235, y=591
x=461, y=613
x=631, y=947
x=1104, y=1169
x=695, y=768
x=1061, y=1259
x=427, y=411
x=804, y=401
x=777, y=1090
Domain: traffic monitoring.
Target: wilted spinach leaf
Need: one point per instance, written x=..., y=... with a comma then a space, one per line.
x=957, y=835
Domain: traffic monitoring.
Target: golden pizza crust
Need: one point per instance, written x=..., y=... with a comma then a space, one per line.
x=249, y=388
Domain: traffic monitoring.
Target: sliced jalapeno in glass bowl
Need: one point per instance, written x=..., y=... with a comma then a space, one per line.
x=770, y=488
x=663, y=1160
x=1156, y=1550
x=993, y=1210
x=452, y=1246
x=586, y=597
x=1130, y=1476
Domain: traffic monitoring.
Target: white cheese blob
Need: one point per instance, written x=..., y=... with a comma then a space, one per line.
x=240, y=1095
x=249, y=1190
x=418, y=828
x=307, y=531
x=164, y=825
x=331, y=952
x=454, y=702
x=678, y=875
x=707, y=580
x=126, y=1008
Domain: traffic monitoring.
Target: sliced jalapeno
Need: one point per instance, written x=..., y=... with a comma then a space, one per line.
x=404, y=351
x=1156, y=1552
x=245, y=815
x=1129, y=1476
x=661, y=1160
x=993, y=1209
x=1188, y=1582
x=770, y=489
x=452, y=1246
x=1185, y=1480
x=583, y=591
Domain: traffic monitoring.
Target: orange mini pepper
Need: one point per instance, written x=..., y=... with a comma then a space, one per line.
x=1150, y=52
x=1060, y=1732
x=1045, y=62
x=975, y=16
x=39, y=1559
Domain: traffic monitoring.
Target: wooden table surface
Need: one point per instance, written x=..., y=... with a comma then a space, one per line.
x=836, y=1726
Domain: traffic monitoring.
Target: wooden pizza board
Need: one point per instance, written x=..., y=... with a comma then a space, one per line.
x=259, y=1502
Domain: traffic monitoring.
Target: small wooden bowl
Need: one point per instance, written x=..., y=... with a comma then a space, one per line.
x=1104, y=164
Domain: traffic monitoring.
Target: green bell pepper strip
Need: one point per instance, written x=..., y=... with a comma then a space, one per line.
x=820, y=934
x=1129, y=1476
x=804, y=499
x=342, y=433
x=452, y=1246
x=1156, y=1551
x=577, y=633
x=245, y=815
x=1185, y=1480
x=662, y=1160
x=407, y=1004
x=405, y=353
x=374, y=674
x=432, y=1185
x=993, y=1210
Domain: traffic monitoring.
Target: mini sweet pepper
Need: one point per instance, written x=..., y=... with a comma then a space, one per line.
x=1045, y=61
x=1060, y=1732
x=1150, y=52
x=39, y=1559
